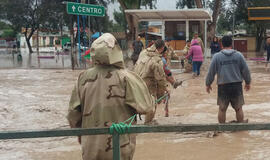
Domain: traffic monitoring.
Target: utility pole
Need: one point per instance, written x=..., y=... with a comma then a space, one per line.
x=38, y=46
x=38, y=42
x=84, y=34
x=233, y=26
x=79, y=36
x=72, y=42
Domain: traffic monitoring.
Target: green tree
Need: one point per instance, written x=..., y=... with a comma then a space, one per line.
x=31, y=15
x=4, y=25
x=8, y=33
x=121, y=23
x=225, y=22
x=149, y=3
x=241, y=17
x=133, y=4
x=185, y=3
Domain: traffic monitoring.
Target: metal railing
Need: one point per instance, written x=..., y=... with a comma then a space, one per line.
x=134, y=129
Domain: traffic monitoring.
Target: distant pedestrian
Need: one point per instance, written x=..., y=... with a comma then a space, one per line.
x=267, y=48
x=231, y=68
x=137, y=48
x=197, y=57
x=170, y=54
x=215, y=46
x=196, y=37
x=186, y=64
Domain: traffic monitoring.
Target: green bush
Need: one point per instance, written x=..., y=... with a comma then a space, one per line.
x=8, y=33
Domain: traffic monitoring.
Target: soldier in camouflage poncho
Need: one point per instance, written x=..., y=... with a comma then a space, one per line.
x=105, y=94
x=150, y=68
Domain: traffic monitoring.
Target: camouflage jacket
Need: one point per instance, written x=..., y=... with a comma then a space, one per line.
x=106, y=94
x=150, y=68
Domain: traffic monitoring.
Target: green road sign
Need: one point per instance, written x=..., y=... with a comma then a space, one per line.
x=85, y=9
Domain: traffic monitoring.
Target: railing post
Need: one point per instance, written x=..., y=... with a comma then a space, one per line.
x=116, y=146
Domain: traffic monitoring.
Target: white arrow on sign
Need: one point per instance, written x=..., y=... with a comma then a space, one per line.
x=73, y=8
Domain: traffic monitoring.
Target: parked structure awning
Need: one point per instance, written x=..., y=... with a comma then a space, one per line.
x=169, y=15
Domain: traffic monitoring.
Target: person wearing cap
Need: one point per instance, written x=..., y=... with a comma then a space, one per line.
x=105, y=94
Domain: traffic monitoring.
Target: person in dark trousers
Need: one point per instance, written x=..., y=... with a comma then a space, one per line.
x=215, y=47
x=137, y=48
x=267, y=48
x=231, y=69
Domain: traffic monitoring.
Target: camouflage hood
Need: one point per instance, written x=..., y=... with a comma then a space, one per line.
x=106, y=51
x=152, y=51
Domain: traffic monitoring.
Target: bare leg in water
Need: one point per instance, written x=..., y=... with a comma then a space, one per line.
x=239, y=115
x=222, y=114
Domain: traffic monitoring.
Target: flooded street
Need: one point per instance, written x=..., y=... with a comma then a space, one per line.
x=37, y=99
x=48, y=59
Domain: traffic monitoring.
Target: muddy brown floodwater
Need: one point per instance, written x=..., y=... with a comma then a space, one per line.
x=33, y=99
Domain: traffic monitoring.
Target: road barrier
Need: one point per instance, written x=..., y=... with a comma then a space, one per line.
x=134, y=129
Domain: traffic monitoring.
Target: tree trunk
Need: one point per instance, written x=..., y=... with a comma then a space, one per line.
x=131, y=27
x=27, y=38
x=259, y=37
x=199, y=3
x=29, y=45
x=213, y=24
x=131, y=34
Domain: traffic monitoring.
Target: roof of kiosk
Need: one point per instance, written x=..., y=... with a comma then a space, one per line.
x=180, y=14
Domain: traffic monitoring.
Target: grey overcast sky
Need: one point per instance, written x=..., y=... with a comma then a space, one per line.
x=161, y=4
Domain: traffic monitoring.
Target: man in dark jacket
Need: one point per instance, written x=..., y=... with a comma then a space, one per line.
x=137, y=48
x=231, y=68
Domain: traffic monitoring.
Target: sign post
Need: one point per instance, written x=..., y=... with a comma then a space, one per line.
x=86, y=10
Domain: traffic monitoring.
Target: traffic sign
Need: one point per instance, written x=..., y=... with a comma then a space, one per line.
x=85, y=9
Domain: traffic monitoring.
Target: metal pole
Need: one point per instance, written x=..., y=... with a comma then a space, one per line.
x=146, y=42
x=163, y=29
x=205, y=37
x=38, y=47
x=89, y=31
x=233, y=28
x=187, y=29
x=84, y=18
x=116, y=146
x=84, y=44
x=79, y=35
x=72, y=42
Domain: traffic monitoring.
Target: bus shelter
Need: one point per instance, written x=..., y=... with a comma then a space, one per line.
x=176, y=25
